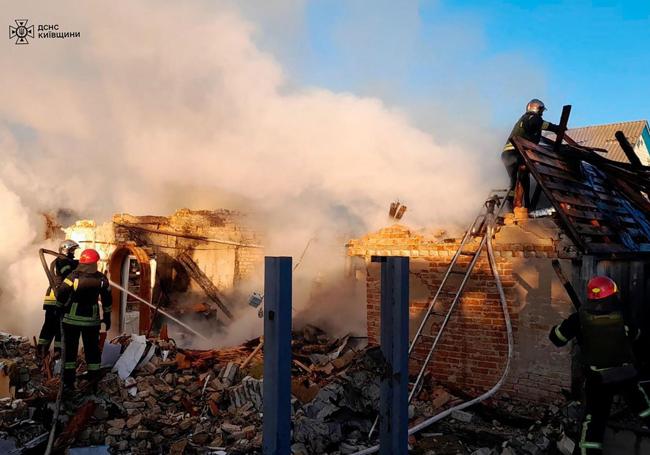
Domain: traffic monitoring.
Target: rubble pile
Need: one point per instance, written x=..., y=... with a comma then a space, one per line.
x=155, y=397
x=158, y=398
x=482, y=431
x=23, y=394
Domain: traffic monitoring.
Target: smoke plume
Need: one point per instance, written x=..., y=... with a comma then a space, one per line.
x=162, y=105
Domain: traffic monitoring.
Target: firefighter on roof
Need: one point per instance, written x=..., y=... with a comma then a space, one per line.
x=81, y=291
x=530, y=127
x=61, y=268
x=605, y=338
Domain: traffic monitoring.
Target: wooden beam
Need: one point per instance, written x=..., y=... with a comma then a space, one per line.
x=628, y=150
x=564, y=121
x=206, y=283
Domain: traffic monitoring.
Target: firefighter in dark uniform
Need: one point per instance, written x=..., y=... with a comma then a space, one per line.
x=606, y=340
x=81, y=291
x=530, y=127
x=60, y=268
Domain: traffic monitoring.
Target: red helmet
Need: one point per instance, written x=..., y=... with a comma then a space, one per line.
x=601, y=287
x=89, y=256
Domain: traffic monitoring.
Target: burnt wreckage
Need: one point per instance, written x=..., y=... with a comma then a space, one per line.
x=603, y=207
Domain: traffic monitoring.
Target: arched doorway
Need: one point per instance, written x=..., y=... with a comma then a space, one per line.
x=129, y=266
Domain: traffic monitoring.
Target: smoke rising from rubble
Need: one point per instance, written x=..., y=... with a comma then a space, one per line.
x=165, y=105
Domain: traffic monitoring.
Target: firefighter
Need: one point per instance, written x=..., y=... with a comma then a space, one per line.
x=606, y=340
x=529, y=126
x=81, y=291
x=61, y=268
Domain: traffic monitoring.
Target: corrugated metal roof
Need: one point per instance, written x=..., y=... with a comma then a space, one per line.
x=602, y=136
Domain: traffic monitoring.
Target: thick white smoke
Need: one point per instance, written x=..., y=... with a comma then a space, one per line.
x=162, y=105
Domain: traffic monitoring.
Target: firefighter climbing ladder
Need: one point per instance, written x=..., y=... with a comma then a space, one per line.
x=452, y=288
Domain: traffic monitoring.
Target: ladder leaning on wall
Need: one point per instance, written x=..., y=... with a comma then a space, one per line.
x=452, y=288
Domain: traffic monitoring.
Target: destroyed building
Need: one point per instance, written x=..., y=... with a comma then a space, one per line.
x=594, y=218
x=190, y=262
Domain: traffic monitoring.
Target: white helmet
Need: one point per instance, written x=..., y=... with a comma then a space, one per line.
x=536, y=106
x=67, y=247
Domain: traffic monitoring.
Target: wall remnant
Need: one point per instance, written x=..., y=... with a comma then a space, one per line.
x=473, y=349
x=218, y=243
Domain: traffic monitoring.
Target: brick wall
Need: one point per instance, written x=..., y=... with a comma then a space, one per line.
x=226, y=265
x=473, y=349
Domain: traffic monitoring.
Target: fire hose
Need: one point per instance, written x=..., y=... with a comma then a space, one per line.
x=504, y=306
x=59, y=394
x=164, y=313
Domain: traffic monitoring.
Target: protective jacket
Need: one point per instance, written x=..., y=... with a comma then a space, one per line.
x=81, y=291
x=530, y=127
x=61, y=268
x=605, y=339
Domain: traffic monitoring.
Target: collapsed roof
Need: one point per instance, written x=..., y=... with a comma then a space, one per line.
x=601, y=204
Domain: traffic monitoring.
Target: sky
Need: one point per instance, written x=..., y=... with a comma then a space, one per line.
x=591, y=54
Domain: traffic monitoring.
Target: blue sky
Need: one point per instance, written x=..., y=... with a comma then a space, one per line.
x=490, y=56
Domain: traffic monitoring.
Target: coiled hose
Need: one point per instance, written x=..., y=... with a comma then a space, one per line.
x=497, y=386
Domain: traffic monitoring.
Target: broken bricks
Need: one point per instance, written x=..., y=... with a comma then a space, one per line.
x=248, y=391
x=207, y=407
x=228, y=375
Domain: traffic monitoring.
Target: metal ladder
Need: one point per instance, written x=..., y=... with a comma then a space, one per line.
x=477, y=229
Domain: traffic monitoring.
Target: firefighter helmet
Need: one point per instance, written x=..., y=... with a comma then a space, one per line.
x=601, y=287
x=89, y=256
x=67, y=247
x=536, y=106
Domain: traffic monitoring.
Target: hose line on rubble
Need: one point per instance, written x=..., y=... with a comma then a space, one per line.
x=497, y=386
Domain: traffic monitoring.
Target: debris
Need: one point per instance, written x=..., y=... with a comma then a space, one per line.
x=110, y=354
x=462, y=416
x=252, y=354
x=566, y=445
x=184, y=401
x=94, y=450
x=37, y=441
x=131, y=356
x=440, y=397
x=249, y=391
x=148, y=355
x=5, y=382
x=303, y=390
x=76, y=424
x=229, y=374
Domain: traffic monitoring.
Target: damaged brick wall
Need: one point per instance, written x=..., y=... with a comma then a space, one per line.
x=472, y=352
x=225, y=264
x=220, y=243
